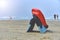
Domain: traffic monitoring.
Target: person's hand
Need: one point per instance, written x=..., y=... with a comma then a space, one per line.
x=46, y=26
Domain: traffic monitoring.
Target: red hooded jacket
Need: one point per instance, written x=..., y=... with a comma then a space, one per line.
x=40, y=15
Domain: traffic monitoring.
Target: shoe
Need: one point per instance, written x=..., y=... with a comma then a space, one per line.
x=30, y=28
x=43, y=29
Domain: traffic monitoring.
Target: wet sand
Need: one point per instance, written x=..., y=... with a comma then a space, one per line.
x=16, y=30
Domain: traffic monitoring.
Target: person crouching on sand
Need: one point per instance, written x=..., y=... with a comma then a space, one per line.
x=39, y=19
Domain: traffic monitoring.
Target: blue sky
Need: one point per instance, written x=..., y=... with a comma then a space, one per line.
x=21, y=9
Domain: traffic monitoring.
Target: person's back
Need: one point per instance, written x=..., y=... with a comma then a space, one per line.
x=40, y=15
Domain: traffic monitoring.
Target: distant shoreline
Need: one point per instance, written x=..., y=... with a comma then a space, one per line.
x=29, y=20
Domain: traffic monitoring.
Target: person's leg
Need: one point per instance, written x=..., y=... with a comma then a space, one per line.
x=41, y=28
x=38, y=22
x=31, y=25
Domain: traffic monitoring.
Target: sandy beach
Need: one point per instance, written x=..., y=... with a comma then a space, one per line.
x=16, y=30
